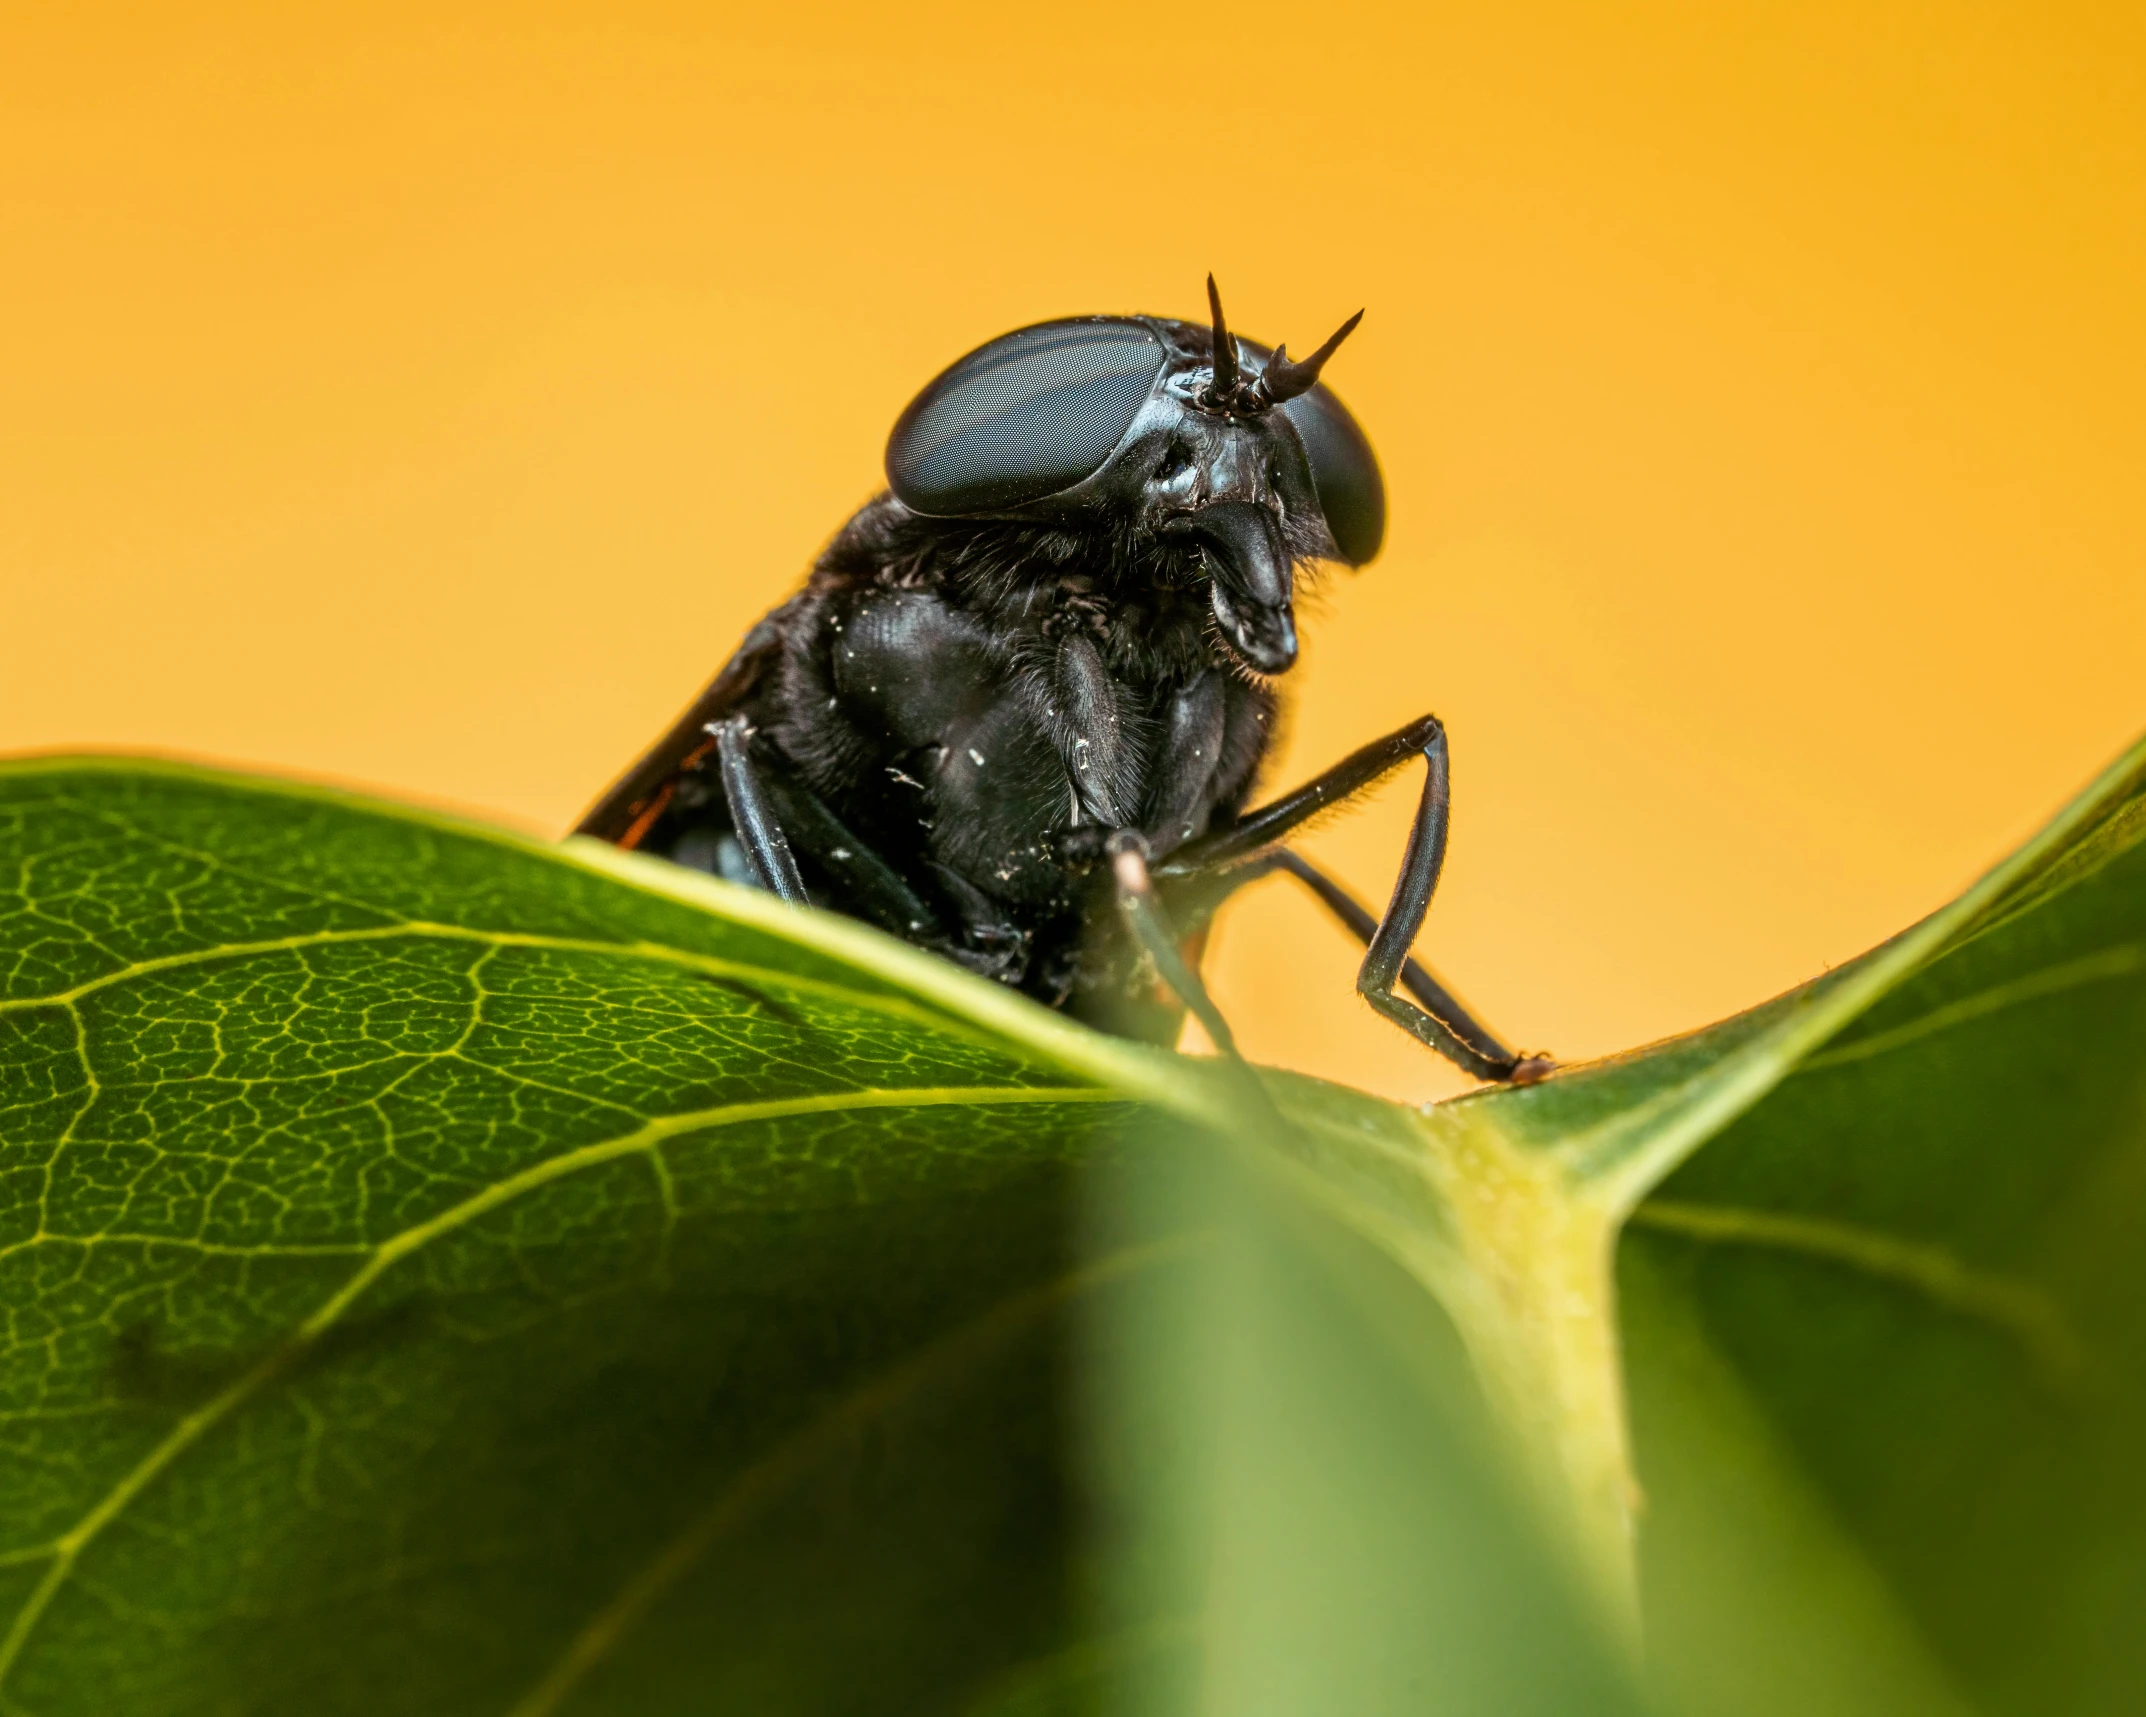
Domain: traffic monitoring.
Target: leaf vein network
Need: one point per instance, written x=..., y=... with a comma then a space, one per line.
x=65, y=1550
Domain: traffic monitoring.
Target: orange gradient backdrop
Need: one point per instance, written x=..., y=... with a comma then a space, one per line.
x=427, y=398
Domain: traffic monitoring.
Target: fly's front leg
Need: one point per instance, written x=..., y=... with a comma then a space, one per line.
x=1472, y=1037
x=1078, y=709
x=767, y=851
x=1261, y=831
x=1436, y=1016
x=1150, y=924
x=862, y=882
x=772, y=812
x=1474, y=1045
x=1444, y=1026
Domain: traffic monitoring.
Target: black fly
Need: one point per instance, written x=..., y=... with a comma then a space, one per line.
x=1033, y=683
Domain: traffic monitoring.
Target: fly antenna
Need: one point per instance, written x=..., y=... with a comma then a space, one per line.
x=1285, y=380
x=1222, y=390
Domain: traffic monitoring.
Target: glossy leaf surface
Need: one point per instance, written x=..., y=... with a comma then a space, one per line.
x=443, y=1273
x=414, y=1238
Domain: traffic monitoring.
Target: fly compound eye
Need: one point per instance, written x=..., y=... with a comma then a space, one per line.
x=1032, y=413
x=1344, y=471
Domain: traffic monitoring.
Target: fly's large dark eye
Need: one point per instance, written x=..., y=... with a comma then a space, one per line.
x=1344, y=470
x=1031, y=413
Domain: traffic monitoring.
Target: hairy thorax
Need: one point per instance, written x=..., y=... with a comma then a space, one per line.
x=971, y=736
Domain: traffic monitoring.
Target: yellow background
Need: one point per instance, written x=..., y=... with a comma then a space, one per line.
x=428, y=398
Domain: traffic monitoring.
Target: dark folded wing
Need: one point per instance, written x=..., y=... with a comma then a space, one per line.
x=630, y=808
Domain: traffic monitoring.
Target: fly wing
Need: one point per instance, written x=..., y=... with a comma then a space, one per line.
x=624, y=815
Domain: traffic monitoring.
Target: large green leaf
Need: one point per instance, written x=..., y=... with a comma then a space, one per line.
x=1883, y=1273
x=444, y=1273
x=1887, y=1331
x=448, y=1274
x=1883, y=1279
x=422, y=1249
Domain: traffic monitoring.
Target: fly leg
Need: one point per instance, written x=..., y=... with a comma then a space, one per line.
x=1467, y=1041
x=1146, y=918
x=1150, y=924
x=1474, y=1046
x=767, y=849
x=1260, y=831
x=771, y=811
x=864, y=884
x=1434, y=1018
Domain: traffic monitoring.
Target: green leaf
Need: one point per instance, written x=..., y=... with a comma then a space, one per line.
x=1887, y=1330
x=427, y=1253
x=446, y=1273
x=1313, y=1506
x=1870, y=1263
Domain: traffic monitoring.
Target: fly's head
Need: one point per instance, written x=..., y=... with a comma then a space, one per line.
x=1229, y=463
